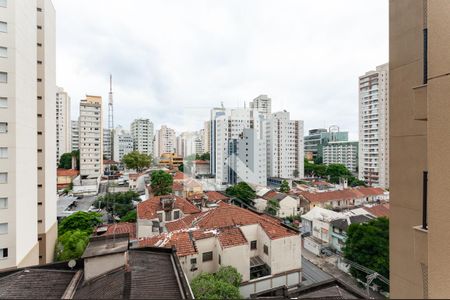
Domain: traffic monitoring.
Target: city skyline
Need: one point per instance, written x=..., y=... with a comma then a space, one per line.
x=300, y=69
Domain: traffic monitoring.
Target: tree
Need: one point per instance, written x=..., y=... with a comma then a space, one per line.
x=83, y=221
x=161, y=183
x=222, y=285
x=296, y=173
x=65, y=162
x=243, y=192
x=336, y=172
x=119, y=204
x=272, y=207
x=71, y=245
x=204, y=156
x=284, y=187
x=137, y=161
x=181, y=168
x=368, y=245
x=131, y=217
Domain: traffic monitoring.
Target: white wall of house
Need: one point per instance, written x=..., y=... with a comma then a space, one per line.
x=288, y=207
x=285, y=254
x=237, y=257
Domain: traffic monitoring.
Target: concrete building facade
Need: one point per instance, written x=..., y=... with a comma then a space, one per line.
x=165, y=141
x=263, y=104
x=108, y=143
x=63, y=123
x=374, y=127
x=122, y=143
x=142, y=133
x=75, y=135
x=285, y=146
x=419, y=63
x=320, y=137
x=344, y=153
x=27, y=133
x=91, y=137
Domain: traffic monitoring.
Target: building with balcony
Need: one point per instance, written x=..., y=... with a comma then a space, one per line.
x=419, y=63
x=142, y=132
x=374, y=127
x=122, y=143
x=320, y=137
x=344, y=153
x=63, y=123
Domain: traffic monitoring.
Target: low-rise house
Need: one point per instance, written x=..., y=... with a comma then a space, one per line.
x=154, y=213
x=264, y=251
x=378, y=211
x=117, y=229
x=338, y=231
x=65, y=177
x=288, y=205
x=136, y=181
x=200, y=168
x=343, y=199
x=108, y=269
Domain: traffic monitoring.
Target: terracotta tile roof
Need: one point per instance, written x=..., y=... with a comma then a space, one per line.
x=201, y=162
x=227, y=215
x=110, y=162
x=214, y=196
x=64, y=172
x=181, y=240
x=177, y=186
x=269, y=195
x=192, y=183
x=232, y=237
x=179, y=176
x=148, y=209
x=378, y=211
x=118, y=228
x=371, y=191
x=186, y=222
x=346, y=194
x=134, y=176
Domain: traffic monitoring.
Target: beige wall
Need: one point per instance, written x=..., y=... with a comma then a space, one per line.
x=419, y=262
x=99, y=265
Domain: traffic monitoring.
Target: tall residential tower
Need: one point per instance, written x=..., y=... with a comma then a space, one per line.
x=142, y=132
x=63, y=123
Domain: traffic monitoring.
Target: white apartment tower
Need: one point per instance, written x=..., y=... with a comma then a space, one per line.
x=75, y=135
x=263, y=104
x=165, y=141
x=374, y=127
x=28, y=227
x=91, y=137
x=142, y=132
x=285, y=146
x=122, y=143
x=206, y=137
x=227, y=132
x=342, y=152
x=189, y=143
x=63, y=123
x=107, y=143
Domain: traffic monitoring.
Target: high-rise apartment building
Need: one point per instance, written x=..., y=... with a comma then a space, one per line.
x=189, y=143
x=285, y=146
x=91, y=137
x=206, y=137
x=263, y=104
x=122, y=143
x=344, y=153
x=374, y=127
x=320, y=137
x=63, y=123
x=165, y=141
x=75, y=135
x=107, y=143
x=142, y=132
x=28, y=226
x=419, y=88
x=227, y=128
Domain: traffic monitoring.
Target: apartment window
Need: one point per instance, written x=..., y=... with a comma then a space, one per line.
x=3, y=228
x=3, y=203
x=3, y=127
x=3, y=178
x=253, y=245
x=220, y=260
x=207, y=256
x=39, y=9
x=39, y=44
x=3, y=152
x=3, y=27
x=266, y=250
x=39, y=27
x=39, y=62
x=3, y=102
x=3, y=52
x=3, y=3
x=3, y=77
x=3, y=253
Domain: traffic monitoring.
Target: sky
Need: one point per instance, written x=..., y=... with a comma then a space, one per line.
x=173, y=60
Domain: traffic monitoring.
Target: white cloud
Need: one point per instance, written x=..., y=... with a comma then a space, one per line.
x=172, y=60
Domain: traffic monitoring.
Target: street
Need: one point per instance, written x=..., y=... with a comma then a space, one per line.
x=313, y=274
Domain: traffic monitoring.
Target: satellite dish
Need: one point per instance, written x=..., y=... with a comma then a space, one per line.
x=72, y=263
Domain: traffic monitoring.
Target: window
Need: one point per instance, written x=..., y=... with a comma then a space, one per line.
x=3, y=228
x=3, y=253
x=3, y=152
x=207, y=256
x=253, y=245
x=3, y=3
x=160, y=217
x=3, y=178
x=3, y=203
x=3, y=127
x=3, y=77
x=39, y=27
x=176, y=215
x=39, y=9
x=266, y=250
x=3, y=102
x=3, y=27
x=220, y=260
x=3, y=52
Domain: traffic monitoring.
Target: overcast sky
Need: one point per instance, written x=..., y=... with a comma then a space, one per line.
x=174, y=60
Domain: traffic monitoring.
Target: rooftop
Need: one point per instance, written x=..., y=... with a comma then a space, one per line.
x=70, y=172
x=148, y=209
